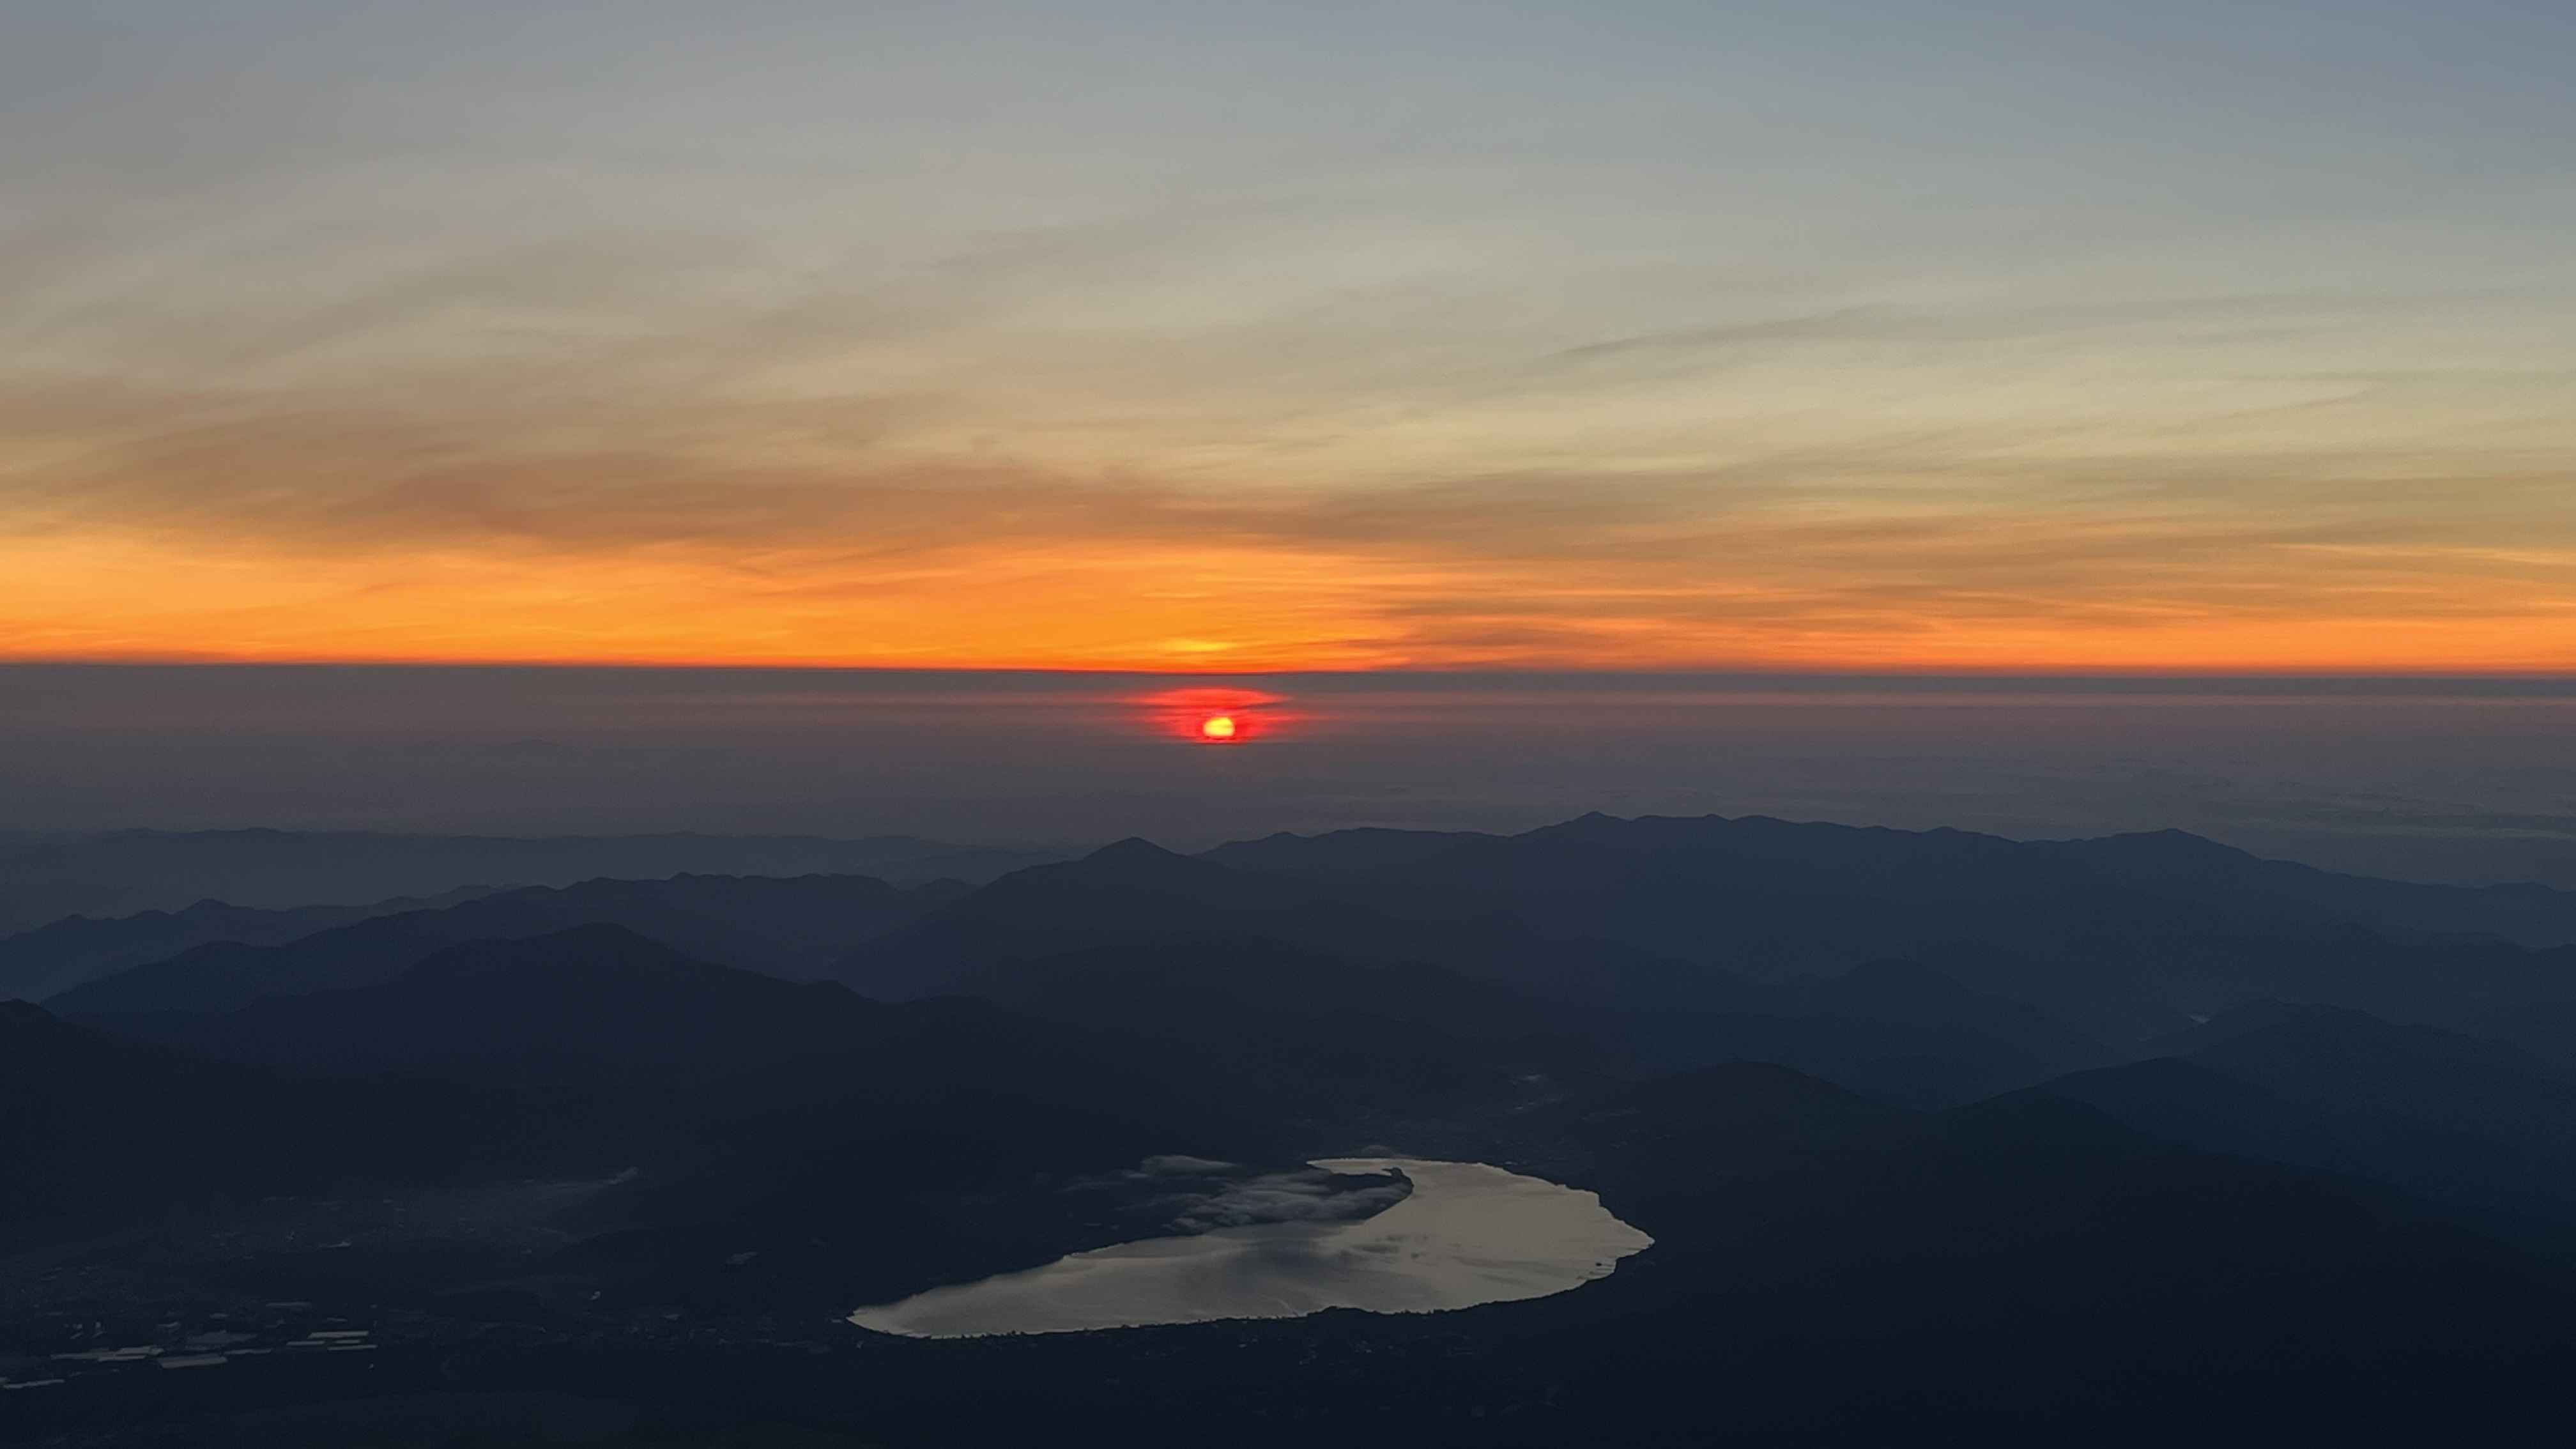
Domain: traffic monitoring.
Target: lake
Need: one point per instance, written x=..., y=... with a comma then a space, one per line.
x=1468, y=1234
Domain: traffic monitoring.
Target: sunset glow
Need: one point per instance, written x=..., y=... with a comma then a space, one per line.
x=1217, y=715
x=107, y=597
x=664, y=367
x=970, y=627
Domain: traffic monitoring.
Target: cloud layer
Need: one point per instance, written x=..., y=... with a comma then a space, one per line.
x=1645, y=340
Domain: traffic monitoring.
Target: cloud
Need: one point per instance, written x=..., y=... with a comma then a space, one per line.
x=1179, y=1164
x=1290, y=1197
x=1085, y=445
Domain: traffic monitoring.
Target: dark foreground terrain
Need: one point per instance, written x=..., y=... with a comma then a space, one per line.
x=1941, y=1138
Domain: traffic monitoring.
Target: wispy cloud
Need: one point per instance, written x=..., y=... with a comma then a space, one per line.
x=562, y=359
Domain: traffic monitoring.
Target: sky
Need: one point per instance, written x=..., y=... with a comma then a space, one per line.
x=2464, y=781
x=1950, y=335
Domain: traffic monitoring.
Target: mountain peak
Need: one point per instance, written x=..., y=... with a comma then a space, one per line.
x=1587, y=822
x=2172, y=842
x=1135, y=848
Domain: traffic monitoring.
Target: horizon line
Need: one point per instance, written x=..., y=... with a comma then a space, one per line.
x=1680, y=674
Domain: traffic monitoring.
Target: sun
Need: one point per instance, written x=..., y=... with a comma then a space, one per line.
x=1216, y=715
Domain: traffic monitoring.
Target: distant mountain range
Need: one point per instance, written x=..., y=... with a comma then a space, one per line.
x=2030, y=1142
x=594, y=1005
x=46, y=877
x=60, y=955
x=1619, y=944
x=794, y=927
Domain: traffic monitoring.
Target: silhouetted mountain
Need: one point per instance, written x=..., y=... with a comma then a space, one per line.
x=1201, y=954
x=100, y=1128
x=2350, y=1062
x=794, y=927
x=787, y=927
x=2024, y=1271
x=1176, y=984
x=55, y=957
x=2443, y=1115
x=595, y=1139
x=2235, y=1021
x=706, y=1063
x=1280, y=1023
x=2183, y=1101
x=2026, y=921
x=1717, y=1122
x=592, y=1005
x=1905, y=1033
x=105, y=1132
x=1168, y=938
x=621, y=1055
x=2033, y=1251
x=1130, y=893
x=2183, y=866
x=43, y=878
x=2546, y=1029
x=1898, y=1031
x=965, y=1199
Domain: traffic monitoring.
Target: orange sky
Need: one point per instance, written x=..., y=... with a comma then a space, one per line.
x=1223, y=346
x=338, y=524
x=1148, y=609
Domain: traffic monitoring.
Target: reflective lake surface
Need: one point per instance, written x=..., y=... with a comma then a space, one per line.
x=1468, y=1234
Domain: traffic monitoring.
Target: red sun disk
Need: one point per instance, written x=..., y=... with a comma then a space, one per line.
x=1211, y=716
